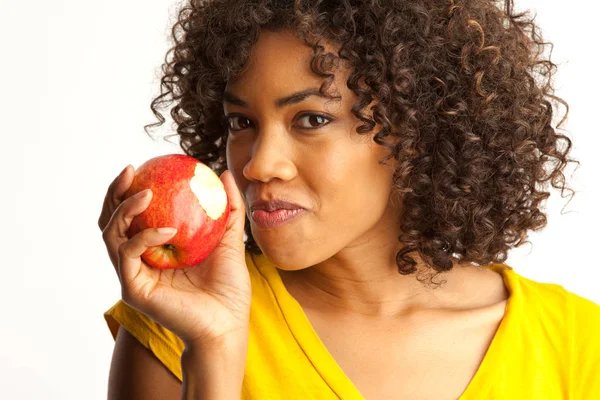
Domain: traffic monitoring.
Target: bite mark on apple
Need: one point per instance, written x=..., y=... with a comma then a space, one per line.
x=209, y=190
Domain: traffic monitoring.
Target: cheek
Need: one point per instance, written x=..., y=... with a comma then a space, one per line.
x=342, y=184
x=236, y=157
x=354, y=191
x=231, y=154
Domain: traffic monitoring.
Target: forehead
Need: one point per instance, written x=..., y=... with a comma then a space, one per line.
x=283, y=60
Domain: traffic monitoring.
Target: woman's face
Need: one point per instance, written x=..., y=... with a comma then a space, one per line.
x=306, y=151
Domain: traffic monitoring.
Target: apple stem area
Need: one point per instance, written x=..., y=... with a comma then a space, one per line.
x=169, y=247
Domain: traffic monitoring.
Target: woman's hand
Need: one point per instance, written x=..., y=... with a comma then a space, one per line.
x=204, y=304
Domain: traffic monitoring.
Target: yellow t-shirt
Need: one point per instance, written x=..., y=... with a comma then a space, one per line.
x=546, y=347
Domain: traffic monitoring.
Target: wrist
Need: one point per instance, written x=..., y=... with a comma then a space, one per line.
x=214, y=370
x=236, y=339
x=225, y=348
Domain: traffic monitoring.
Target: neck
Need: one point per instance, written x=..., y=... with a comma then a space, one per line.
x=369, y=285
x=373, y=287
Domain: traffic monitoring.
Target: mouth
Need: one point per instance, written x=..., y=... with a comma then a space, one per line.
x=276, y=218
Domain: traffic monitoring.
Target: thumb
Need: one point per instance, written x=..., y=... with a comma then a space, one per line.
x=237, y=217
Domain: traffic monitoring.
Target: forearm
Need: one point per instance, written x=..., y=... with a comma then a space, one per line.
x=214, y=372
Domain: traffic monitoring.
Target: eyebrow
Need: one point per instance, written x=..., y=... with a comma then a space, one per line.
x=294, y=98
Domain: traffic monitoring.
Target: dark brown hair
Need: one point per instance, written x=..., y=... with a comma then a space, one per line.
x=463, y=87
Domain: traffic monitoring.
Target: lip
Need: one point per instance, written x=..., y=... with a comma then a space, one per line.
x=276, y=218
x=274, y=204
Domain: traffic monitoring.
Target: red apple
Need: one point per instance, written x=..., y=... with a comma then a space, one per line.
x=187, y=195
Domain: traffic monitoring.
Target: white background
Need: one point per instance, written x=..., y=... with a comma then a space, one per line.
x=77, y=78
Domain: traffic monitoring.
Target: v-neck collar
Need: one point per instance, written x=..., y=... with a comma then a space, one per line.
x=326, y=366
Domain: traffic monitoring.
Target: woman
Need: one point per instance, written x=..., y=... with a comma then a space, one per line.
x=416, y=139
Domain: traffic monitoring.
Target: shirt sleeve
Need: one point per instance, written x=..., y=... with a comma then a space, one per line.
x=585, y=346
x=164, y=344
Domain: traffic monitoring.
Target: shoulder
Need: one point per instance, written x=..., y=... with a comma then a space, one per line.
x=164, y=344
x=585, y=309
x=535, y=292
x=552, y=311
x=585, y=322
x=136, y=373
x=541, y=295
x=545, y=299
x=567, y=322
x=558, y=310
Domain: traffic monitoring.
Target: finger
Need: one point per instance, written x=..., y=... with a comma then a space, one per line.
x=114, y=195
x=130, y=252
x=238, y=210
x=115, y=232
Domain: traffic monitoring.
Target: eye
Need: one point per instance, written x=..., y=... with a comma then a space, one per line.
x=237, y=122
x=314, y=120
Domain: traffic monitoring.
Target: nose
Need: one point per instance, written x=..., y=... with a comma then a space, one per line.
x=270, y=157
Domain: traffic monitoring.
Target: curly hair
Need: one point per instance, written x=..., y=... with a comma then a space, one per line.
x=462, y=91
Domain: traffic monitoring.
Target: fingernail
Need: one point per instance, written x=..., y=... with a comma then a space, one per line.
x=166, y=231
x=142, y=194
